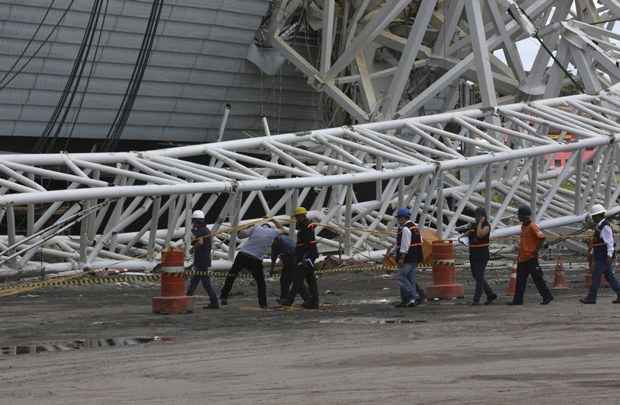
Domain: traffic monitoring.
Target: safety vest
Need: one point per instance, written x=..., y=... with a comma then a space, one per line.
x=306, y=242
x=599, y=247
x=202, y=252
x=414, y=254
x=476, y=244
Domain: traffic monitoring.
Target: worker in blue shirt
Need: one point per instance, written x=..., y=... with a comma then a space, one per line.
x=250, y=257
x=201, y=242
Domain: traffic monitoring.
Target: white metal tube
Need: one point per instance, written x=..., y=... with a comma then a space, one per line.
x=28, y=182
x=54, y=175
x=220, y=135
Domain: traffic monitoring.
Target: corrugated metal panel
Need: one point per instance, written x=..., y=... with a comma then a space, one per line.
x=198, y=64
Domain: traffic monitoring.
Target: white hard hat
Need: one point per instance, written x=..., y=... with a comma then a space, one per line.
x=598, y=209
x=198, y=215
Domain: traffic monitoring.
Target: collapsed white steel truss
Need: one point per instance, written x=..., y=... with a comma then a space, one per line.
x=69, y=211
x=374, y=55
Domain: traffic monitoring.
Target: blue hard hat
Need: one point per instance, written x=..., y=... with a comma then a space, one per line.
x=524, y=211
x=403, y=213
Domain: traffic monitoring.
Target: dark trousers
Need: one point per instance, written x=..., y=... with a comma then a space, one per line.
x=478, y=267
x=255, y=267
x=602, y=267
x=525, y=269
x=307, y=267
x=206, y=283
x=291, y=276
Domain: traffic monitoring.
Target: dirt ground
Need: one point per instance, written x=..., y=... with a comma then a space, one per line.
x=357, y=350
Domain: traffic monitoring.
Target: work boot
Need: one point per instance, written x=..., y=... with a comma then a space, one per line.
x=421, y=293
x=546, y=301
x=490, y=299
x=586, y=301
x=310, y=305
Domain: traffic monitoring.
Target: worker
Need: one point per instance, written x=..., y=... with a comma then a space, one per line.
x=306, y=253
x=408, y=254
x=283, y=248
x=478, y=236
x=531, y=240
x=603, y=253
x=250, y=257
x=201, y=242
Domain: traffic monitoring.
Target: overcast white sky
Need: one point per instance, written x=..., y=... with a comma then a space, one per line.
x=528, y=48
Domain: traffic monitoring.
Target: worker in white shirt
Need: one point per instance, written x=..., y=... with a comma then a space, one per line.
x=603, y=253
x=408, y=255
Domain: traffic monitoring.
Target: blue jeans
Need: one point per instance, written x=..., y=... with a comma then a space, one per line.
x=206, y=283
x=406, y=281
x=602, y=267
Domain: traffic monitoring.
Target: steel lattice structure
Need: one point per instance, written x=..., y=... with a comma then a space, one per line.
x=374, y=54
x=438, y=165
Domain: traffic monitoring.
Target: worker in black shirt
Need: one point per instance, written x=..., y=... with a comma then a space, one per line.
x=202, y=259
x=478, y=235
x=283, y=248
x=306, y=253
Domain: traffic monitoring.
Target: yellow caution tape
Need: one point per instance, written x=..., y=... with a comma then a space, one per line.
x=80, y=280
x=87, y=279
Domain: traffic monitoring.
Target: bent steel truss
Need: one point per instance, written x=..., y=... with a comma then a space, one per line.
x=560, y=156
x=381, y=60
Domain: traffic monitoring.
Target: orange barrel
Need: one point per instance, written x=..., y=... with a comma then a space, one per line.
x=173, y=299
x=444, y=272
x=172, y=268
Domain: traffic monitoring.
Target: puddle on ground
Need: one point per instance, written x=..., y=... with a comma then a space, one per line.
x=371, y=321
x=381, y=301
x=80, y=344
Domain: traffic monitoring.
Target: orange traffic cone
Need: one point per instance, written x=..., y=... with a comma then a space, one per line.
x=559, y=279
x=511, y=288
